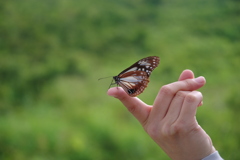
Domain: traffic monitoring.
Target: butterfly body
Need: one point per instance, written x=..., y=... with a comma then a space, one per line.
x=135, y=78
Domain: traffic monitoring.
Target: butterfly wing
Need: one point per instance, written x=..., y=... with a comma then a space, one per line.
x=133, y=82
x=147, y=65
x=135, y=78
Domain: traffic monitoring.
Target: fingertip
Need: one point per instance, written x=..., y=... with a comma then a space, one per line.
x=186, y=74
x=200, y=80
x=116, y=92
x=112, y=91
x=188, y=70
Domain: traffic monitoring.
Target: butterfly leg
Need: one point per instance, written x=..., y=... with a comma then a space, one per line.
x=111, y=84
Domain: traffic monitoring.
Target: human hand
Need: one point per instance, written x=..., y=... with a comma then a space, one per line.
x=171, y=120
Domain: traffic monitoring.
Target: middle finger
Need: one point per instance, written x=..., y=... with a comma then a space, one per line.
x=175, y=107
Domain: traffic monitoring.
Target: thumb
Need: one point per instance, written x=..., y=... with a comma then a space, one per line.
x=137, y=107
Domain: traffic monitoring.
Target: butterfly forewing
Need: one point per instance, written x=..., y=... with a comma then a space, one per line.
x=147, y=65
x=135, y=78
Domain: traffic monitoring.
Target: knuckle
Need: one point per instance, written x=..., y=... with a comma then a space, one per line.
x=132, y=108
x=181, y=94
x=189, y=83
x=177, y=128
x=182, y=128
x=166, y=90
x=166, y=131
x=190, y=98
x=163, y=131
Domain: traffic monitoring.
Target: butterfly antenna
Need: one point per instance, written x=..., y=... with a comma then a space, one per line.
x=104, y=78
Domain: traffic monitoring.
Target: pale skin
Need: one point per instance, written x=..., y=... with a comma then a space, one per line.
x=171, y=120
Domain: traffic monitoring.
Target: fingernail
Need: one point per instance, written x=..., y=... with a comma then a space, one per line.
x=200, y=79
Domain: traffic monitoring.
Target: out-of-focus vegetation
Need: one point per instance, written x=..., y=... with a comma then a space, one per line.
x=53, y=52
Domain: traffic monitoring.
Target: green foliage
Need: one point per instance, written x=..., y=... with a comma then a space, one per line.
x=53, y=52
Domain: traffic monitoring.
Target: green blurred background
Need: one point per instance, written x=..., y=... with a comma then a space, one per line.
x=52, y=53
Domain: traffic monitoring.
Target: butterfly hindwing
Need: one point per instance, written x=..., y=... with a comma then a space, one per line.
x=133, y=82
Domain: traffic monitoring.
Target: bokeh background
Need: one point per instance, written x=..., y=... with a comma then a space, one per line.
x=52, y=53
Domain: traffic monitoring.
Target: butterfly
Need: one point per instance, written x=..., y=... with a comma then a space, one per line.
x=135, y=78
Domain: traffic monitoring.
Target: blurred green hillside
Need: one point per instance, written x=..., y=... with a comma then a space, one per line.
x=52, y=53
